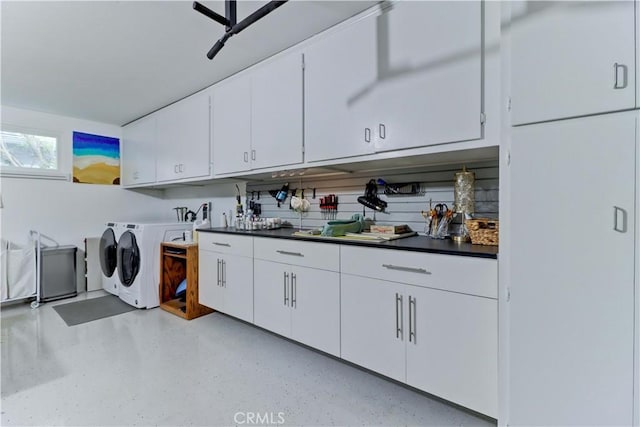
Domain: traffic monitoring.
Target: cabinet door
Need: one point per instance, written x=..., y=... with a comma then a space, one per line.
x=564, y=56
x=211, y=294
x=231, y=125
x=453, y=348
x=139, y=152
x=429, y=86
x=572, y=300
x=237, y=282
x=315, y=315
x=340, y=72
x=373, y=327
x=276, y=112
x=272, y=296
x=183, y=139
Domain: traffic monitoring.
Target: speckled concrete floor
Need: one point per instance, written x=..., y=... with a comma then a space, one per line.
x=153, y=368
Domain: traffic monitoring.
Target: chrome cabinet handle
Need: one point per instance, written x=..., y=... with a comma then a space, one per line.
x=412, y=319
x=398, y=316
x=224, y=274
x=290, y=253
x=253, y=154
x=382, y=130
x=367, y=135
x=284, y=282
x=221, y=244
x=219, y=281
x=617, y=84
x=409, y=269
x=617, y=213
x=293, y=290
x=246, y=157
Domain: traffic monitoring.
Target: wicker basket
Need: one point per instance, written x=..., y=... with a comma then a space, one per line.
x=483, y=231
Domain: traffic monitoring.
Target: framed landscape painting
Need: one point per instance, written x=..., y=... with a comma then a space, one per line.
x=96, y=159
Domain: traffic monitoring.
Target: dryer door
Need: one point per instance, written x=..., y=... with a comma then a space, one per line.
x=128, y=258
x=108, y=248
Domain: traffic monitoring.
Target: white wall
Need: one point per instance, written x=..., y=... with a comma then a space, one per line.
x=63, y=210
x=68, y=212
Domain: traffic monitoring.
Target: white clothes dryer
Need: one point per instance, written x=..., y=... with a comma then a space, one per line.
x=138, y=257
x=108, y=257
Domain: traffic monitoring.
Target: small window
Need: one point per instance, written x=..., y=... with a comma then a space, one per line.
x=28, y=151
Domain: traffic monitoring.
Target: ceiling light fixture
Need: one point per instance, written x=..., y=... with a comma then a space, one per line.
x=232, y=26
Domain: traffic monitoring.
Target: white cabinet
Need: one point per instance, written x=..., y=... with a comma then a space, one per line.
x=573, y=185
x=226, y=274
x=439, y=341
x=406, y=78
x=429, y=82
x=276, y=112
x=571, y=59
x=231, y=125
x=452, y=347
x=257, y=117
x=139, y=152
x=372, y=319
x=339, y=71
x=183, y=150
x=299, y=303
x=300, y=297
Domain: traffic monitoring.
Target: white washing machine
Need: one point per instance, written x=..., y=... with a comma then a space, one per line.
x=108, y=257
x=138, y=257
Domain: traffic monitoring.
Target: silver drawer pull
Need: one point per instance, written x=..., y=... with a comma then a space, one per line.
x=290, y=253
x=221, y=244
x=409, y=269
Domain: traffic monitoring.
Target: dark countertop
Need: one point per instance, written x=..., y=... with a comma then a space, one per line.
x=415, y=243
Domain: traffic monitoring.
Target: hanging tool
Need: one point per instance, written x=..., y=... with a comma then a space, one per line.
x=239, y=209
x=371, y=199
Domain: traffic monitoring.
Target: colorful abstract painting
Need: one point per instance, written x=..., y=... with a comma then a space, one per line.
x=96, y=159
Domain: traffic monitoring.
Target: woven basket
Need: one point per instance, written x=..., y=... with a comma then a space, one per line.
x=483, y=231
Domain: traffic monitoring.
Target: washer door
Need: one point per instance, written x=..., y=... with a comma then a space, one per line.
x=108, y=256
x=128, y=258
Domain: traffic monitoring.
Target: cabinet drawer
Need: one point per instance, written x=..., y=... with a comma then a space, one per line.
x=474, y=276
x=306, y=254
x=226, y=244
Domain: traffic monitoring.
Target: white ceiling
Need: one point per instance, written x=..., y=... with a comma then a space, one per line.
x=115, y=61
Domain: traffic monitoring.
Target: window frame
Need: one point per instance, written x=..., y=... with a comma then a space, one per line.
x=37, y=173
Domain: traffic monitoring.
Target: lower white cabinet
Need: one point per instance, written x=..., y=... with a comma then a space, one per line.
x=298, y=302
x=225, y=274
x=444, y=343
x=428, y=320
x=228, y=286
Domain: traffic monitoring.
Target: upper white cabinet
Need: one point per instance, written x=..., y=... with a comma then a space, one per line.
x=276, y=112
x=429, y=83
x=572, y=279
x=183, y=149
x=231, y=125
x=257, y=117
x=571, y=59
x=340, y=71
x=408, y=77
x=139, y=152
